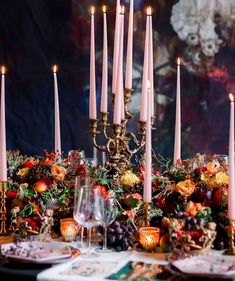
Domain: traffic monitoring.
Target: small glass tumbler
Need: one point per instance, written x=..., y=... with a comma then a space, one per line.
x=149, y=237
x=69, y=229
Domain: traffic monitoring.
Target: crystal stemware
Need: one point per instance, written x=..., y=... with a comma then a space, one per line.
x=86, y=207
x=107, y=214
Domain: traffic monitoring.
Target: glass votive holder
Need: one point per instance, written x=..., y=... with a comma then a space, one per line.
x=149, y=237
x=69, y=229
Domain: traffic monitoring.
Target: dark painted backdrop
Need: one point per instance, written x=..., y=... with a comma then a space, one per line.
x=35, y=34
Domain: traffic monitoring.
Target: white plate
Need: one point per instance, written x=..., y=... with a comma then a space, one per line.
x=207, y=266
x=36, y=252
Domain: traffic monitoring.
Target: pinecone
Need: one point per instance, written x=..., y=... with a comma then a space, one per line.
x=38, y=171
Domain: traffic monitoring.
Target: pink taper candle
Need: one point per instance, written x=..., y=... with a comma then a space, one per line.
x=177, y=144
x=231, y=188
x=116, y=47
x=144, y=99
x=148, y=152
x=57, y=113
x=3, y=151
x=117, y=115
x=92, y=105
x=129, y=56
x=104, y=90
x=150, y=64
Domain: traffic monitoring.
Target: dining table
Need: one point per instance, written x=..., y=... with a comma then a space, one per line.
x=105, y=264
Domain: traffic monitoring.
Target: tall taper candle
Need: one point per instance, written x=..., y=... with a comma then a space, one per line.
x=104, y=90
x=117, y=115
x=3, y=151
x=116, y=47
x=148, y=152
x=177, y=144
x=150, y=64
x=129, y=56
x=56, y=113
x=92, y=105
x=231, y=188
x=144, y=99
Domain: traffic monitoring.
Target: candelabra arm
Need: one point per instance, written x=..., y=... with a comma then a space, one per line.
x=94, y=133
x=103, y=122
x=139, y=143
x=97, y=146
x=113, y=144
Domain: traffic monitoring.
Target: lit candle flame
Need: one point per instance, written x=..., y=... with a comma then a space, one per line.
x=3, y=70
x=92, y=10
x=149, y=11
x=148, y=84
x=104, y=9
x=178, y=61
x=231, y=97
x=55, y=68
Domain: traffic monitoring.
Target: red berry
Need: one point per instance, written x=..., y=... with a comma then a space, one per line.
x=185, y=214
x=28, y=164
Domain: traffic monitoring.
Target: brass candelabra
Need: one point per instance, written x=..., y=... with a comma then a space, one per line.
x=120, y=144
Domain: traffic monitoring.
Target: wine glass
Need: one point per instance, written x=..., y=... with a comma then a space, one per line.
x=86, y=207
x=91, y=162
x=107, y=214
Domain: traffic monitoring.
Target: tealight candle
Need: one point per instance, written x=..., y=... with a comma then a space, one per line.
x=69, y=229
x=149, y=237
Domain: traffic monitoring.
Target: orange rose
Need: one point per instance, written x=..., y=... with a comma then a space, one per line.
x=221, y=178
x=185, y=188
x=58, y=173
x=193, y=208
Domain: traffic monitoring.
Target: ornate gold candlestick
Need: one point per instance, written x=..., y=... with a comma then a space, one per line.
x=146, y=210
x=3, y=191
x=120, y=144
x=231, y=249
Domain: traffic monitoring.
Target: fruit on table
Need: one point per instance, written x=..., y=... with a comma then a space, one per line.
x=120, y=236
x=28, y=164
x=102, y=190
x=165, y=243
x=40, y=186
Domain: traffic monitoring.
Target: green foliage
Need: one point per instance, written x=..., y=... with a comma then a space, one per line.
x=27, y=211
x=24, y=193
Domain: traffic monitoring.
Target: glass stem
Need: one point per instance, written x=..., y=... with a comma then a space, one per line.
x=89, y=238
x=105, y=238
x=81, y=235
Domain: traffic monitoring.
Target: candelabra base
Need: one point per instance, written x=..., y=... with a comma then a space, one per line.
x=231, y=249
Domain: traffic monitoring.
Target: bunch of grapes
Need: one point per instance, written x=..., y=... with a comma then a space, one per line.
x=192, y=222
x=120, y=236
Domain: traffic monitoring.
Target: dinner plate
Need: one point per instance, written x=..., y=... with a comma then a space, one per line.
x=36, y=252
x=213, y=266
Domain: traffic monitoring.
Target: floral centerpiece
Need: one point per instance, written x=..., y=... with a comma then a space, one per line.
x=189, y=199
x=189, y=204
x=41, y=191
x=193, y=197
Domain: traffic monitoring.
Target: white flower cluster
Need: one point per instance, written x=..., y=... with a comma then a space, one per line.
x=194, y=22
